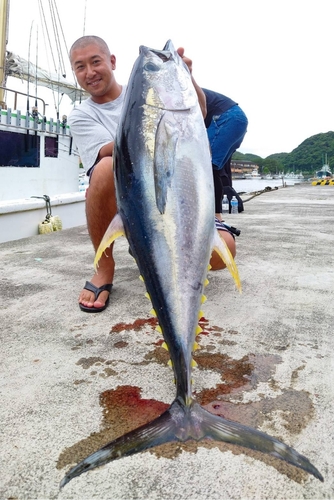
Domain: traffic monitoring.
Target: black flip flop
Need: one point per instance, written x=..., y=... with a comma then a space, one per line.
x=96, y=291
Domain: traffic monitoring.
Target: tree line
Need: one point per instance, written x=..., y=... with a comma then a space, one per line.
x=307, y=158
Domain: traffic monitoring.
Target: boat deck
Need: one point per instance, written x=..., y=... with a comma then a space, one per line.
x=71, y=381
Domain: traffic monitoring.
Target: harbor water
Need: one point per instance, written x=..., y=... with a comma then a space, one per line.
x=251, y=185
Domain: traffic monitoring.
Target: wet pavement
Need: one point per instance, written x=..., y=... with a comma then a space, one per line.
x=71, y=382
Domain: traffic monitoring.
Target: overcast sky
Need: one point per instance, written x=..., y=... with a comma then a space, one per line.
x=274, y=57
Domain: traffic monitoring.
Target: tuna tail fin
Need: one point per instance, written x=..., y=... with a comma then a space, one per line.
x=220, y=429
x=181, y=423
x=158, y=431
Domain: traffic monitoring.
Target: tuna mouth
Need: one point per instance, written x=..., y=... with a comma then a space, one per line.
x=164, y=56
x=166, y=108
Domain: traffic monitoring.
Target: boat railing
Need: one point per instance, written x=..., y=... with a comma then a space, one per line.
x=17, y=92
x=32, y=120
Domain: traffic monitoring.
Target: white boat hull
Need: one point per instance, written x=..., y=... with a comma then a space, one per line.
x=21, y=218
x=35, y=172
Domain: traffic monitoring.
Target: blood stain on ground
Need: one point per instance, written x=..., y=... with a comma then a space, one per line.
x=123, y=408
x=88, y=362
x=121, y=344
x=137, y=325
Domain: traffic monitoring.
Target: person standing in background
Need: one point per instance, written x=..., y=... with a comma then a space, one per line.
x=226, y=125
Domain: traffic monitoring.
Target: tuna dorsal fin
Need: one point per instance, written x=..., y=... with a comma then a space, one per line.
x=115, y=229
x=169, y=46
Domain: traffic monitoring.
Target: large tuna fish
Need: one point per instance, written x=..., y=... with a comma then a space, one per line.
x=164, y=187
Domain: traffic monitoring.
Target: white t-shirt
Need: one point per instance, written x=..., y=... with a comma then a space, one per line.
x=94, y=125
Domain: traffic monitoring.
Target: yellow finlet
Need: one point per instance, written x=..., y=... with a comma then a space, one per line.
x=198, y=330
x=165, y=346
x=169, y=362
x=203, y=299
x=206, y=282
x=188, y=398
x=196, y=346
x=158, y=329
x=147, y=295
x=153, y=313
x=193, y=363
x=141, y=278
x=200, y=314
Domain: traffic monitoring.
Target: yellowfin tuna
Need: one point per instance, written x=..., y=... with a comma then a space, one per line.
x=164, y=187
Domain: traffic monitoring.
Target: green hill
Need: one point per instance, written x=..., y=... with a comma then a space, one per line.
x=308, y=157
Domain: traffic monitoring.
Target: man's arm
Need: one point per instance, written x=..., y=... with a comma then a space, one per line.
x=106, y=150
x=199, y=91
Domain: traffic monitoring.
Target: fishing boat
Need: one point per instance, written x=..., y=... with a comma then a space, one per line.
x=324, y=173
x=38, y=160
x=294, y=176
x=254, y=174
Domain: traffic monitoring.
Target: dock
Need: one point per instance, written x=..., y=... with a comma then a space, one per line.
x=71, y=382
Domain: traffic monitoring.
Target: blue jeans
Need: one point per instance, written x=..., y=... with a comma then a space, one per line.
x=226, y=133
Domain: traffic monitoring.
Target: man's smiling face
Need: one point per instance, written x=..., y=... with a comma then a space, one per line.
x=94, y=71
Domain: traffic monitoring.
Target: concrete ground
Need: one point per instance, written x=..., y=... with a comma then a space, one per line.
x=71, y=381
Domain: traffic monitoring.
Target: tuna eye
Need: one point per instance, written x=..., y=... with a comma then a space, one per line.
x=151, y=67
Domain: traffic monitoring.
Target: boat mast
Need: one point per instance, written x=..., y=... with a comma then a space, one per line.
x=4, y=22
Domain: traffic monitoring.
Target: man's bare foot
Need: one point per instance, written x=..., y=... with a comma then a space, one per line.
x=87, y=297
x=104, y=276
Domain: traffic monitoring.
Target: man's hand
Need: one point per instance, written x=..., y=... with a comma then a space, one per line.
x=199, y=91
x=185, y=59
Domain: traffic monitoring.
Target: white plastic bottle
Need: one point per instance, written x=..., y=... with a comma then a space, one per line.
x=225, y=205
x=234, y=205
x=83, y=184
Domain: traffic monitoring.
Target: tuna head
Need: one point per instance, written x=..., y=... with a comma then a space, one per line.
x=161, y=79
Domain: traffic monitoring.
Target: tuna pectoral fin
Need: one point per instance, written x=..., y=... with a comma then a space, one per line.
x=181, y=423
x=115, y=229
x=224, y=253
